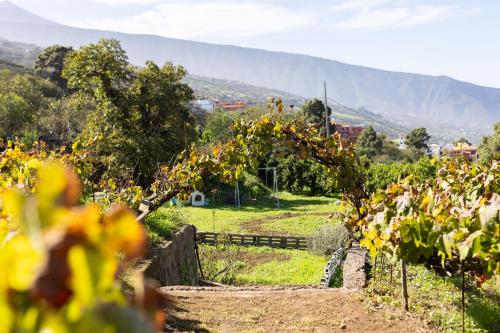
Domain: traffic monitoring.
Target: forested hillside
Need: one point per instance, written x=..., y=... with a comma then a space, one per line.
x=21, y=57
x=18, y=53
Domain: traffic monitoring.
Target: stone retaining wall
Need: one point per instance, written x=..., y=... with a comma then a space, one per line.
x=174, y=263
x=355, y=268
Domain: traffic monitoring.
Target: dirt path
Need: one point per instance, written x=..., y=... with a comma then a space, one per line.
x=281, y=309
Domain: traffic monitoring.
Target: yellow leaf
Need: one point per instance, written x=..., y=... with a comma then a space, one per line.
x=124, y=233
x=20, y=258
x=82, y=283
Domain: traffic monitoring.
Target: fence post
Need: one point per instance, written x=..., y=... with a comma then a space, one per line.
x=463, y=300
x=404, y=286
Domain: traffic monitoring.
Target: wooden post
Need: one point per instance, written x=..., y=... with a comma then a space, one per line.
x=463, y=300
x=283, y=242
x=382, y=267
x=327, y=118
x=404, y=286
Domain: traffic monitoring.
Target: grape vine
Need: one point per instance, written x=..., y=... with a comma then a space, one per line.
x=450, y=224
x=59, y=262
x=254, y=139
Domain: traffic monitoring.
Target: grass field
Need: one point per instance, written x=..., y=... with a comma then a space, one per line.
x=297, y=215
x=261, y=265
x=438, y=300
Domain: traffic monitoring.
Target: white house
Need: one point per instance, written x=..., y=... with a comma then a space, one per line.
x=205, y=104
x=402, y=142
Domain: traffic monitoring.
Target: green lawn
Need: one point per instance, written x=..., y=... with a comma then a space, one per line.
x=297, y=215
x=262, y=265
x=304, y=225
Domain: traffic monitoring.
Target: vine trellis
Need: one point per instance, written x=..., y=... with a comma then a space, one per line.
x=254, y=139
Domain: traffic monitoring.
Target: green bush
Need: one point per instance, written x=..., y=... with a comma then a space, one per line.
x=303, y=177
x=380, y=176
x=328, y=239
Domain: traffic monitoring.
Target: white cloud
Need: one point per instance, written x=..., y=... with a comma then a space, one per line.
x=403, y=16
x=357, y=5
x=203, y=18
x=127, y=2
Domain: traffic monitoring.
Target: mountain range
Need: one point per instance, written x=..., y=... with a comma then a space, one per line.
x=434, y=101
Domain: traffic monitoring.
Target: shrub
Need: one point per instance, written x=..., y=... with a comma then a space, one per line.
x=327, y=240
x=163, y=223
x=379, y=176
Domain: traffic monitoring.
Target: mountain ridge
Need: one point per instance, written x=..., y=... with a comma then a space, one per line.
x=399, y=96
x=9, y=12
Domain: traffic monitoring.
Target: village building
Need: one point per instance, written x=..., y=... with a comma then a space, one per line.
x=347, y=131
x=402, y=142
x=434, y=150
x=205, y=104
x=232, y=106
x=463, y=150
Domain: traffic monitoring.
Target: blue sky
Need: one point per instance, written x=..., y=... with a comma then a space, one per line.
x=458, y=38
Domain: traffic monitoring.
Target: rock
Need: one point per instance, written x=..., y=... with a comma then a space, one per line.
x=343, y=325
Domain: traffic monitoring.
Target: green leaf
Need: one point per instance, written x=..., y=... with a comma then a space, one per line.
x=463, y=250
x=405, y=233
x=447, y=241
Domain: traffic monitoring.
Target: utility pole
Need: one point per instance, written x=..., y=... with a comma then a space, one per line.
x=327, y=118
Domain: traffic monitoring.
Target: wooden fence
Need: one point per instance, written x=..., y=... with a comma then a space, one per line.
x=283, y=242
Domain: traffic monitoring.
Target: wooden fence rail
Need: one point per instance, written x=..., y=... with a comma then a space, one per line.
x=283, y=242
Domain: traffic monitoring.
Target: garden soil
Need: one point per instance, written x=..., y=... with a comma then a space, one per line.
x=282, y=309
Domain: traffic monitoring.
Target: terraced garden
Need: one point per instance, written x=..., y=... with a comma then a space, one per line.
x=237, y=265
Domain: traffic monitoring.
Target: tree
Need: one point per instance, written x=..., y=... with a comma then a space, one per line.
x=50, y=63
x=142, y=117
x=490, y=147
x=14, y=115
x=63, y=119
x=369, y=143
x=462, y=140
x=314, y=111
x=418, y=138
x=217, y=126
